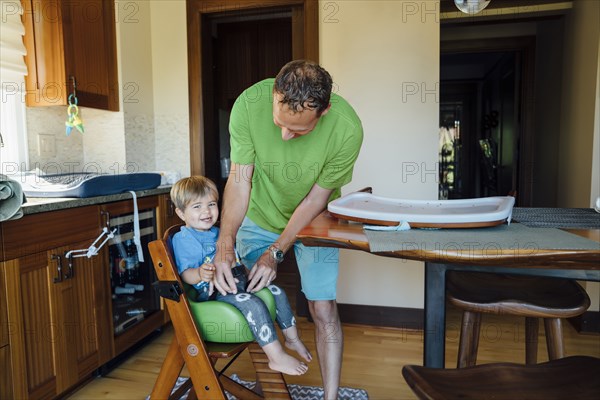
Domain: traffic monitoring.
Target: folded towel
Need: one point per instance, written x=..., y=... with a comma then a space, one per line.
x=11, y=199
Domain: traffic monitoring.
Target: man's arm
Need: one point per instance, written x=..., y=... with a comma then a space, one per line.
x=235, y=204
x=313, y=204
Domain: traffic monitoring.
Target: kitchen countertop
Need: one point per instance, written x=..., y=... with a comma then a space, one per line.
x=36, y=205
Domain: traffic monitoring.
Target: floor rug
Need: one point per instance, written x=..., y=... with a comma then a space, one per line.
x=296, y=391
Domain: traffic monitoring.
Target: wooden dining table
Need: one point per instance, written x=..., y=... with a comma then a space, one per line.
x=327, y=231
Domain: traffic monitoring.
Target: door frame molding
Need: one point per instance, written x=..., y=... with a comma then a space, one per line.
x=526, y=46
x=195, y=11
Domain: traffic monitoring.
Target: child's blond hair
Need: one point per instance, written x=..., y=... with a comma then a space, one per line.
x=188, y=189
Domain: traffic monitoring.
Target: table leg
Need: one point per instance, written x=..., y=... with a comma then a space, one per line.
x=434, y=331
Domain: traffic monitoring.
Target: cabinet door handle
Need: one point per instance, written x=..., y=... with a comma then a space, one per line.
x=58, y=278
x=69, y=274
x=106, y=215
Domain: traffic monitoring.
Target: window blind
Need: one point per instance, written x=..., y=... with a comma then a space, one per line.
x=12, y=49
x=13, y=124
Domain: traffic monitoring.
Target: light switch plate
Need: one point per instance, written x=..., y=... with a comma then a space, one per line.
x=46, y=145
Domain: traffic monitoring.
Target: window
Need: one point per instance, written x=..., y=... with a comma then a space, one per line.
x=13, y=130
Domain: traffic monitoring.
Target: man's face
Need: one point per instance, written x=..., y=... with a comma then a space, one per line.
x=292, y=124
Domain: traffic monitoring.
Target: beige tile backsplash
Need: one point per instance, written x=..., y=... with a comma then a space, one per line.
x=113, y=142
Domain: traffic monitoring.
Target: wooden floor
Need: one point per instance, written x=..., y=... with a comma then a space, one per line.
x=373, y=357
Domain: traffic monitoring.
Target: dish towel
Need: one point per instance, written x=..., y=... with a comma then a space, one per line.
x=11, y=199
x=136, y=228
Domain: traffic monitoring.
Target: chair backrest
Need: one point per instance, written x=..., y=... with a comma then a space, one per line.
x=169, y=233
x=189, y=341
x=168, y=239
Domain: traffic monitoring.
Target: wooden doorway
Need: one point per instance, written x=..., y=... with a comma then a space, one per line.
x=487, y=87
x=238, y=50
x=200, y=16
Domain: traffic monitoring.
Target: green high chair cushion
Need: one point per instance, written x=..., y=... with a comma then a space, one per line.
x=221, y=322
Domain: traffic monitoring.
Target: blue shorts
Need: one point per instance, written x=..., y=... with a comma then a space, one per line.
x=318, y=266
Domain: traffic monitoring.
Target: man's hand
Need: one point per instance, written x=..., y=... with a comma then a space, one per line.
x=224, y=281
x=262, y=273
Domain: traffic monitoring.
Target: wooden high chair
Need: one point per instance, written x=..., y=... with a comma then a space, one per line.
x=188, y=346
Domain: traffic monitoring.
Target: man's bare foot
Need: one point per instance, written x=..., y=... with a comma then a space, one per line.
x=298, y=346
x=287, y=364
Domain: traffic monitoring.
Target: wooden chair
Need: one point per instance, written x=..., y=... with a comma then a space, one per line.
x=530, y=297
x=573, y=377
x=190, y=348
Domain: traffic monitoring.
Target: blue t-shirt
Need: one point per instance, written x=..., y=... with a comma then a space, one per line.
x=191, y=249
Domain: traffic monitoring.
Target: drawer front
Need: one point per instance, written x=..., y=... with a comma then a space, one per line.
x=126, y=206
x=40, y=232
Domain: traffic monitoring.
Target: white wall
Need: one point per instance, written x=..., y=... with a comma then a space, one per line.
x=593, y=288
x=580, y=68
x=384, y=59
x=136, y=83
x=595, y=189
x=170, y=81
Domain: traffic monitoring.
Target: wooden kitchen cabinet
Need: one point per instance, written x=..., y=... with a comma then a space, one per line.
x=58, y=327
x=3, y=311
x=5, y=367
x=71, y=42
x=57, y=317
x=58, y=310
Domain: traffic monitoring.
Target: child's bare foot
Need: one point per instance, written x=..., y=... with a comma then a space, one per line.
x=288, y=365
x=298, y=346
x=280, y=361
x=293, y=342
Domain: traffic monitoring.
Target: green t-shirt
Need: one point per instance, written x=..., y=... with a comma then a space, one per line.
x=285, y=171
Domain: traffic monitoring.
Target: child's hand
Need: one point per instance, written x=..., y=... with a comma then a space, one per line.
x=207, y=272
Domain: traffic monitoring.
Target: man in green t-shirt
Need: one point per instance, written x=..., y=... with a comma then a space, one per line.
x=293, y=146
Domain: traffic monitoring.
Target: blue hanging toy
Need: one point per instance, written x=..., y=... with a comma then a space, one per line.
x=73, y=120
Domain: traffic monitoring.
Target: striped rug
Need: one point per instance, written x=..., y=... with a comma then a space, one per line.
x=297, y=392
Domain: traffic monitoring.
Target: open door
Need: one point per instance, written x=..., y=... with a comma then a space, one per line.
x=200, y=17
x=486, y=119
x=239, y=50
